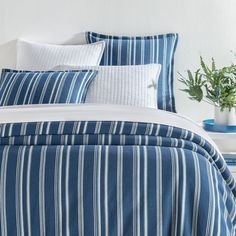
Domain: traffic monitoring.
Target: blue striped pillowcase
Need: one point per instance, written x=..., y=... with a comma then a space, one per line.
x=48, y=87
x=160, y=49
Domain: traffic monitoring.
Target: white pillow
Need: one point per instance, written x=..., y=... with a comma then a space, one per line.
x=38, y=56
x=126, y=85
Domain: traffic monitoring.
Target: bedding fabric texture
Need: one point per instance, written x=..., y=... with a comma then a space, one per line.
x=22, y=87
x=112, y=178
x=39, y=56
x=124, y=85
x=124, y=50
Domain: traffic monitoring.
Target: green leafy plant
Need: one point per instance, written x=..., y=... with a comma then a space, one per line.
x=212, y=85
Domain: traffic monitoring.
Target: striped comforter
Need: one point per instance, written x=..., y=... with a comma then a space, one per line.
x=112, y=178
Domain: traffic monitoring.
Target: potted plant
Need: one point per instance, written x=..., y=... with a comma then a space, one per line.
x=216, y=87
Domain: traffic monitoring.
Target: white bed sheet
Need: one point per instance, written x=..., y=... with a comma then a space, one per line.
x=92, y=112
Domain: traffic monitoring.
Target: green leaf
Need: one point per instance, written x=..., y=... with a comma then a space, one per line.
x=213, y=64
x=206, y=70
x=216, y=86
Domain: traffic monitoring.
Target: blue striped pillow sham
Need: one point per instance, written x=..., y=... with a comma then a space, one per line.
x=48, y=87
x=124, y=50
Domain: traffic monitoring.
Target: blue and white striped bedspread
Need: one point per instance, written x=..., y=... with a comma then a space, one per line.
x=112, y=178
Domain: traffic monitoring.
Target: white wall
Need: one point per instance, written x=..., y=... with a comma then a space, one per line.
x=206, y=27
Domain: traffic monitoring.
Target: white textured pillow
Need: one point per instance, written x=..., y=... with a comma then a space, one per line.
x=127, y=85
x=38, y=56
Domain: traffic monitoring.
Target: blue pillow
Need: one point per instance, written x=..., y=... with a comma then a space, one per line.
x=123, y=50
x=48, y=87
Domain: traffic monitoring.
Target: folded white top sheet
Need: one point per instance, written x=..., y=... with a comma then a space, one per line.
x=91, y=112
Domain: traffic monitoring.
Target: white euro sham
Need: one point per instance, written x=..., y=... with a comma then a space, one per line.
x=39, y=56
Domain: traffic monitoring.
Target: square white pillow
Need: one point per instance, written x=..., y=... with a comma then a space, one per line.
x=38, y=56
x=133, y=85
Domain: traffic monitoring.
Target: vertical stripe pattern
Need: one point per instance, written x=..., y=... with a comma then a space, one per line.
x=20, y=88
x=112, y=178
x=123, y=50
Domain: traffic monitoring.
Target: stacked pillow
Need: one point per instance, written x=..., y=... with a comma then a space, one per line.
x=34, y=84
x=124, y=85
x=136, y=71
x=38, y=56
x=24, y=87
x=123, y=50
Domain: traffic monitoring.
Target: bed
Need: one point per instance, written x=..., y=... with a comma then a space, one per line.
x=110, y=170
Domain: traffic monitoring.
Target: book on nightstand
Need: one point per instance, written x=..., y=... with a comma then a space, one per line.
x=230, y=158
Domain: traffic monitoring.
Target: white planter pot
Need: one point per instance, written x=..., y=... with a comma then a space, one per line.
x=225, y=117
